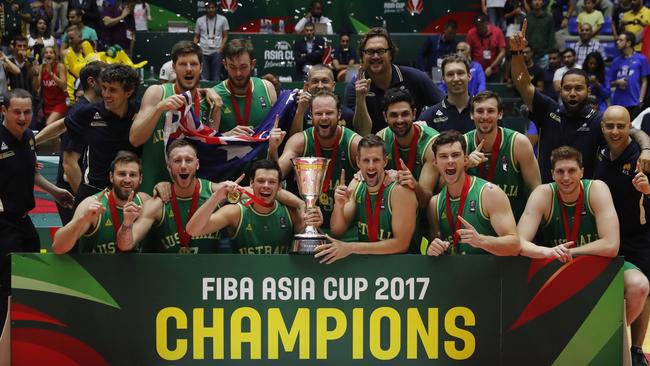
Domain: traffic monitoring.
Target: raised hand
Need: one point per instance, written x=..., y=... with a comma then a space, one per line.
x=405, y=177
x=130, y=211
x=640, y=181
x=172, y=103
x=304, y=97
x=342, y=193
x=332, y=251
x=277, y=134
x=518, y=40
x=95, y=208
x=163, y=190
x=362, y=85
x=477, y=157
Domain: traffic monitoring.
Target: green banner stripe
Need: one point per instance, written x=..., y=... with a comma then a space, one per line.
x=69, y=275
x=36, y=285
x=359, y=27
x=597, y=329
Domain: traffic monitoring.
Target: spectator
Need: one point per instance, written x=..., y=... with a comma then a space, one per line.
x=73, y=57
x=495, y=12
x=90, y=13
x=344, y=57
x=554, y=63
x=308, y=51
x=119, y=26
x=536, y=72
x=364, y=94
x=634, y=20
x=315, y=16
x=23, y=79
x=514, y=16
x=453, y=112
x=540, y=32
x=59, y=17
x=569, y=62
x=435, y=48
x=628, y=74
x=587, y=44
x=605, y=6
x=488, y=46
x=211, y=33
x=560, y=19
x=6, y=66
x=273, y=80
x=594, y=65
x=40, y=37
x=16, y=14
x=620, y=9
x=142, y=15
x=87, y=33
x=52, y=85
x=590, y=15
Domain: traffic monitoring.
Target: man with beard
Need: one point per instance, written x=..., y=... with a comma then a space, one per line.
x=385, y=214
x=104, y=126
x=568, y=63
x=500, y=155
x=573, y=122
x=325, y=139
x=98, y=218
x=617, y=167
x=320, y=77
x=147, y=128
x=261, y=225
x=469, y=215
x=452, y=113
x=169, y=218
x=408, y=147
x=365, y=93
x=246, y=99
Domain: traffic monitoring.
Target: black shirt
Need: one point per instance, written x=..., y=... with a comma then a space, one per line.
x=557, y=128
x=17, y=168
x=537, y=74
x=422, y=89
x=618, y=175
x=444, y=116
x=105, y=134
x=68, y=144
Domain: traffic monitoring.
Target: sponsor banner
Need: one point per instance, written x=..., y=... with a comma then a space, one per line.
x=291, y=310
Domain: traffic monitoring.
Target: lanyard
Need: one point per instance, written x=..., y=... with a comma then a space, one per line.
x=572, y=235
x=461, y=205
x=180, y=228
x=412, y=151
x=247, y=104
x=214, y=27
x=330, y=168
x=372, y=214
x=489, y=173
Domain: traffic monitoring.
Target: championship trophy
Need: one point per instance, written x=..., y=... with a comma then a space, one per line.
x=310, y=173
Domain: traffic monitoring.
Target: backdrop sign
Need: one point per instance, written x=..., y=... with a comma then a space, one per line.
x=290, y=310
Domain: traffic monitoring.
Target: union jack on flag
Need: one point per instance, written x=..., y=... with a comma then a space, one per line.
x=224, y=157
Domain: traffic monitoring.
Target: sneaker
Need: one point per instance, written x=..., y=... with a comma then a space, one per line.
x=638, y=357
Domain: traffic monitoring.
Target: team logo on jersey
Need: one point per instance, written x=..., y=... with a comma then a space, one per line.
x=97, y=116
x=266, y=228
x=382, y=206
x=4, y=146
x=108, y=222
x=263, y=102
x=584, y=128
x=555, y=117
x=438, y=112
x=472, y=206
x=626, y=168
x=226, y=110
x=249, y=227
x=504, y=163
x=98, y=124
x=440, y=119
x=7, y=154
x=283, y=223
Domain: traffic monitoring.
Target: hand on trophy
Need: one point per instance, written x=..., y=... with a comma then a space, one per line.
x=332, y=251
x=342, y=193
x=313, y=217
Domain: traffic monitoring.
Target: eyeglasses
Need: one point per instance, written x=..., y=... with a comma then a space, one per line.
x=378, y=51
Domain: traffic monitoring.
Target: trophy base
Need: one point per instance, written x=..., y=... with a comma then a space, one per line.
x=306, y=244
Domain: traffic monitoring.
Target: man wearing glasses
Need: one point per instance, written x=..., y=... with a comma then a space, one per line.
x=365, y=93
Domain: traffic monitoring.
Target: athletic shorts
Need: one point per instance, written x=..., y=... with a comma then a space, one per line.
x=636, y=250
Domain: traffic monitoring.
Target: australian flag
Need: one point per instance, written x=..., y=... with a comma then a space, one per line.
x=226, y=157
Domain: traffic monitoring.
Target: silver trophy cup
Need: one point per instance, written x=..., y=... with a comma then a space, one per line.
x=310, y=173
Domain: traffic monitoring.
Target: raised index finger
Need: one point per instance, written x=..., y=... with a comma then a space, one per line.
x=480, y=145
x=239, y=179
x=276, y=123
x=360, y=74
x=342, y=179
x=130, y=196
x=465, y=223
x=524, y=25
x=101, y=195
